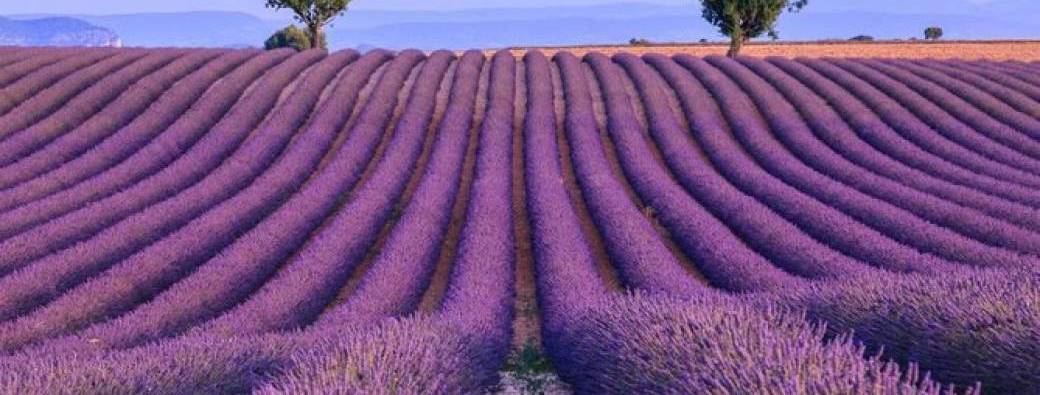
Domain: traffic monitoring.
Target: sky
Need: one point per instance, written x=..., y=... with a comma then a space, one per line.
x=256, y=6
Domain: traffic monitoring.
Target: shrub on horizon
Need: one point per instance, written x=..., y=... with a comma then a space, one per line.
x=933, y=33
x=289, y=37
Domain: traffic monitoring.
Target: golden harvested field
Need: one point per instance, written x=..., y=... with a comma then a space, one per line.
x=993, y=50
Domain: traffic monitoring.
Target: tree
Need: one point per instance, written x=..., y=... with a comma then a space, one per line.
x=933, y=33
x=290, y=37
x=314, y=14
x=742, y=20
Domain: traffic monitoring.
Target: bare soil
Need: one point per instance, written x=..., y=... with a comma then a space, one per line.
x=1023, y=50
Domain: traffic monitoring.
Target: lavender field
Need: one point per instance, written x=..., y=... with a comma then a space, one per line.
x=188, y=221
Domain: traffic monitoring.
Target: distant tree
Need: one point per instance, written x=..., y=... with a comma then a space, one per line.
x=290, y=37
x=638, y=42
x=314, y=14
x=742, y=20
x=862, y=37
x=933, y=33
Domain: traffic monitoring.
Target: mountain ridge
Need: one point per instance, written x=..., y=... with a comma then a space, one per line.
x=56, y=31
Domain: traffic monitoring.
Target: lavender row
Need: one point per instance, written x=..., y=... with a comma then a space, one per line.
x=996, y=92
x=63, y=163
x=771, y=235
x=312, y=277
x=242, y=267
x=866, y=139
x=413, y=356
x=42, y=104
x=481, y=292
x=986, y=109
x=76, y=109
x=12, y=55
x=721, y=255
x=972, y=114
x=976, y=145
x=636, y=345
x=915, y=129
x=441, y=354
x=1023, y=82
x=713, y=344
x=632, y=242
x=753, y=134
x=565, y=267
x=964, y=326
x=84, y=134
x=120, y=162
x=794, y=130
x=47, y=278
x=39, y=80
x=394, y=284
x=16, y=67
x=203, y=157
x=269, y=170
x=824, y=223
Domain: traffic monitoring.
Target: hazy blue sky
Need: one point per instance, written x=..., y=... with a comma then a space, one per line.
x=256, y=6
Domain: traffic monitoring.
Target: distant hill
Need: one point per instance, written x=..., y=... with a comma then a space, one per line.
x=188, y=29
x=571, y=25
x=183, y=29
x=56, y=31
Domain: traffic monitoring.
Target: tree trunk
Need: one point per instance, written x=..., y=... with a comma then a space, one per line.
x=314, y=30
x=736, y=42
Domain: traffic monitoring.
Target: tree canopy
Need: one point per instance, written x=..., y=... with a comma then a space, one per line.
x=315, y=14
x=742, y=20
x=933, y=33
x=289, y=37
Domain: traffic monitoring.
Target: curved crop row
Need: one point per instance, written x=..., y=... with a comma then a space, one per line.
x=115, y=164
x=202, y=159
x=394, y=284
x=917, y=97
x=39, y=80
x=118, y=114
x=63, y=163
x=983, y=117
x=314, y=274
x=43, y=104
x=753, y=134
x=632, y=242
x=221, y=221
x=263, y=182
x=964, y=327
x=722, y=256
x=237, y=270
x=867, y=140
x=479, y=299
x=1022, y=82
x=15, y=67
x=45, y=279
x=914, y=125
x=776, y=239
x=1002, y=101
x=76, y=109
x=797, y=138
x=821, y=221
x=233, y=273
